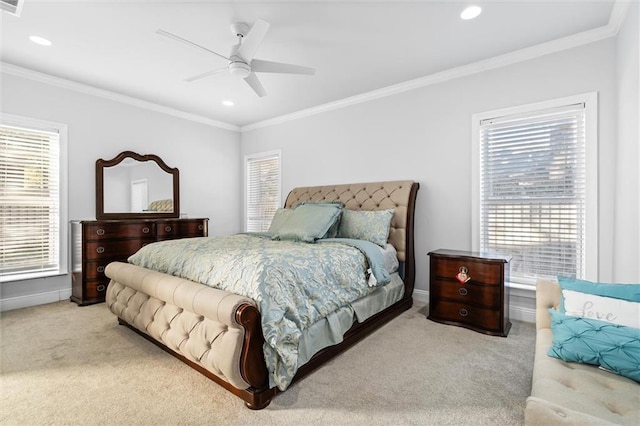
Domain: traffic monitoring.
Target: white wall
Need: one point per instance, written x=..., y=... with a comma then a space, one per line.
x=626, y=253
x=425, y=135
x=208, y=159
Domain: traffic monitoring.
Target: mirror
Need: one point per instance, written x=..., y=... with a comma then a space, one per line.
x=134, y=186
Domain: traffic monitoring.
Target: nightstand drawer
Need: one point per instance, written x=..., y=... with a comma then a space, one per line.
x=469, y=293
x=481, y=272
x=486, y=319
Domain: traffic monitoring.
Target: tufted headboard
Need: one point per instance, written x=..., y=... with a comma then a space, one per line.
x=397, y=195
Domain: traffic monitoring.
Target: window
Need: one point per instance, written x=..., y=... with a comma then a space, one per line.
x=33, y=213
x=262, y=173
x=537, y=182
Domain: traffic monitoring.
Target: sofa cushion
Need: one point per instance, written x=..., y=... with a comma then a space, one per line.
x=588, y=341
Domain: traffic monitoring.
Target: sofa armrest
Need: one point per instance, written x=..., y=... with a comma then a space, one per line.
x=548, y=295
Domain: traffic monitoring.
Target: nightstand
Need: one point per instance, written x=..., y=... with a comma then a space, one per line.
x=467, y=289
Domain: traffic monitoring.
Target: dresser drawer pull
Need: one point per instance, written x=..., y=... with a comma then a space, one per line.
x=167, y=228
x=100, y=269
x=100, y=250
x=200, y=227
x=101, y=287
x=99, y=231
x=145, y=230
x=463, y=291
x=463, y=312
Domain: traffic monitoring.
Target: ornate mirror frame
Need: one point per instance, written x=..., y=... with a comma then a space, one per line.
x=102, y=164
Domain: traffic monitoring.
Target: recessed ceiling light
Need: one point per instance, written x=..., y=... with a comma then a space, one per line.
x=228, y=103
x=471, y=12
x=40, y=40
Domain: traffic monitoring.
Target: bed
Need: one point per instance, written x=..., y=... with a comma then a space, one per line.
x=223, y=335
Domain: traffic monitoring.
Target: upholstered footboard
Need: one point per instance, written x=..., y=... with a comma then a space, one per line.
x=216, y=332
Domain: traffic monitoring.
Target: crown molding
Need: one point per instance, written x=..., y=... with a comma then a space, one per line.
x=106, y=94
x=558, y=45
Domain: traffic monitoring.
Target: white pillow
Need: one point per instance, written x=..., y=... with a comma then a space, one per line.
x=615, y=311
x=390, y=256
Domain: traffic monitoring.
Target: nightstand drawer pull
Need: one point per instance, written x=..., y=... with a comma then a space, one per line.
x=100, y=231
x=100, y=268
x=167, y=228
x=145, y=230
x=463, y=274
x=100, y=250
x=200, y=227
x=101, y=287
x=463, y=312
x=463, y=291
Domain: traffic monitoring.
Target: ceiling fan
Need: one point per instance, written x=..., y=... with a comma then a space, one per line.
x=241, y=61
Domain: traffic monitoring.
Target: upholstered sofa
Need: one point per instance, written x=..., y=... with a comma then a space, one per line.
x=571, y=393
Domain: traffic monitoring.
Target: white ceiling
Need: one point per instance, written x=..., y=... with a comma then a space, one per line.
x=355, y=46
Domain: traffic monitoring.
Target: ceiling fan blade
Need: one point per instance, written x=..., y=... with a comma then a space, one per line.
x=205, y=74
x=251, y=41
x=252, y=80
x=188, y=43
x=259, y=65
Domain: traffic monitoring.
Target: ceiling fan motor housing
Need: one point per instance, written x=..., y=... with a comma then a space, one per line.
x=239, y=29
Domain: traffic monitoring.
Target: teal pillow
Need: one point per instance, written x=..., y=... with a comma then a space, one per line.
x=589, y=341
x=369, y=225
x=308, y=222
x=333, y=231
x=629, y=292
x=279, y=218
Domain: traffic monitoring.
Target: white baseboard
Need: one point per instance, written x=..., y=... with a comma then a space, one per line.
x=516, y=313
x=34, y=299
x=421, y=296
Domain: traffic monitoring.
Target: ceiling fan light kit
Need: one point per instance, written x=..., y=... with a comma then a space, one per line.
x=241, y=62
x=239, y=69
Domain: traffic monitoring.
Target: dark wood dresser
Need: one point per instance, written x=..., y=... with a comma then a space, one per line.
x=96, y=243
x=467, y=289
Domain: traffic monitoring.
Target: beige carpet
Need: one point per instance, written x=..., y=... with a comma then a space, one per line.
x=66, y=365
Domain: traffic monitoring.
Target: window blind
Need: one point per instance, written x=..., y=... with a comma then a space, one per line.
x=532, y=184
x=263, y=191
x=29, y=201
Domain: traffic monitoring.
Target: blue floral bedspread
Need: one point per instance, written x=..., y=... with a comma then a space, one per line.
x=294, y=284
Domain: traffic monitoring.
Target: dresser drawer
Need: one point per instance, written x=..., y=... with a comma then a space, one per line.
x=482, y=272
x=469, y=293
x=118, y=249
x=184, y=228
x=96, y=289
x=484, y=318
x=94, y=269
x=111, y=230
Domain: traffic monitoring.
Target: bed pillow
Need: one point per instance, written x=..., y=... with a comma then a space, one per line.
x=369, y=225
x=390, y=258
x=588, y=341
x=615, y=303
x=333, y=231
x=308, y=222
x=279, y=218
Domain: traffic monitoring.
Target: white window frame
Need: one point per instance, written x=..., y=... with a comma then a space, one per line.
x=590, y=101
x=247, y=160
x=61, y=129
